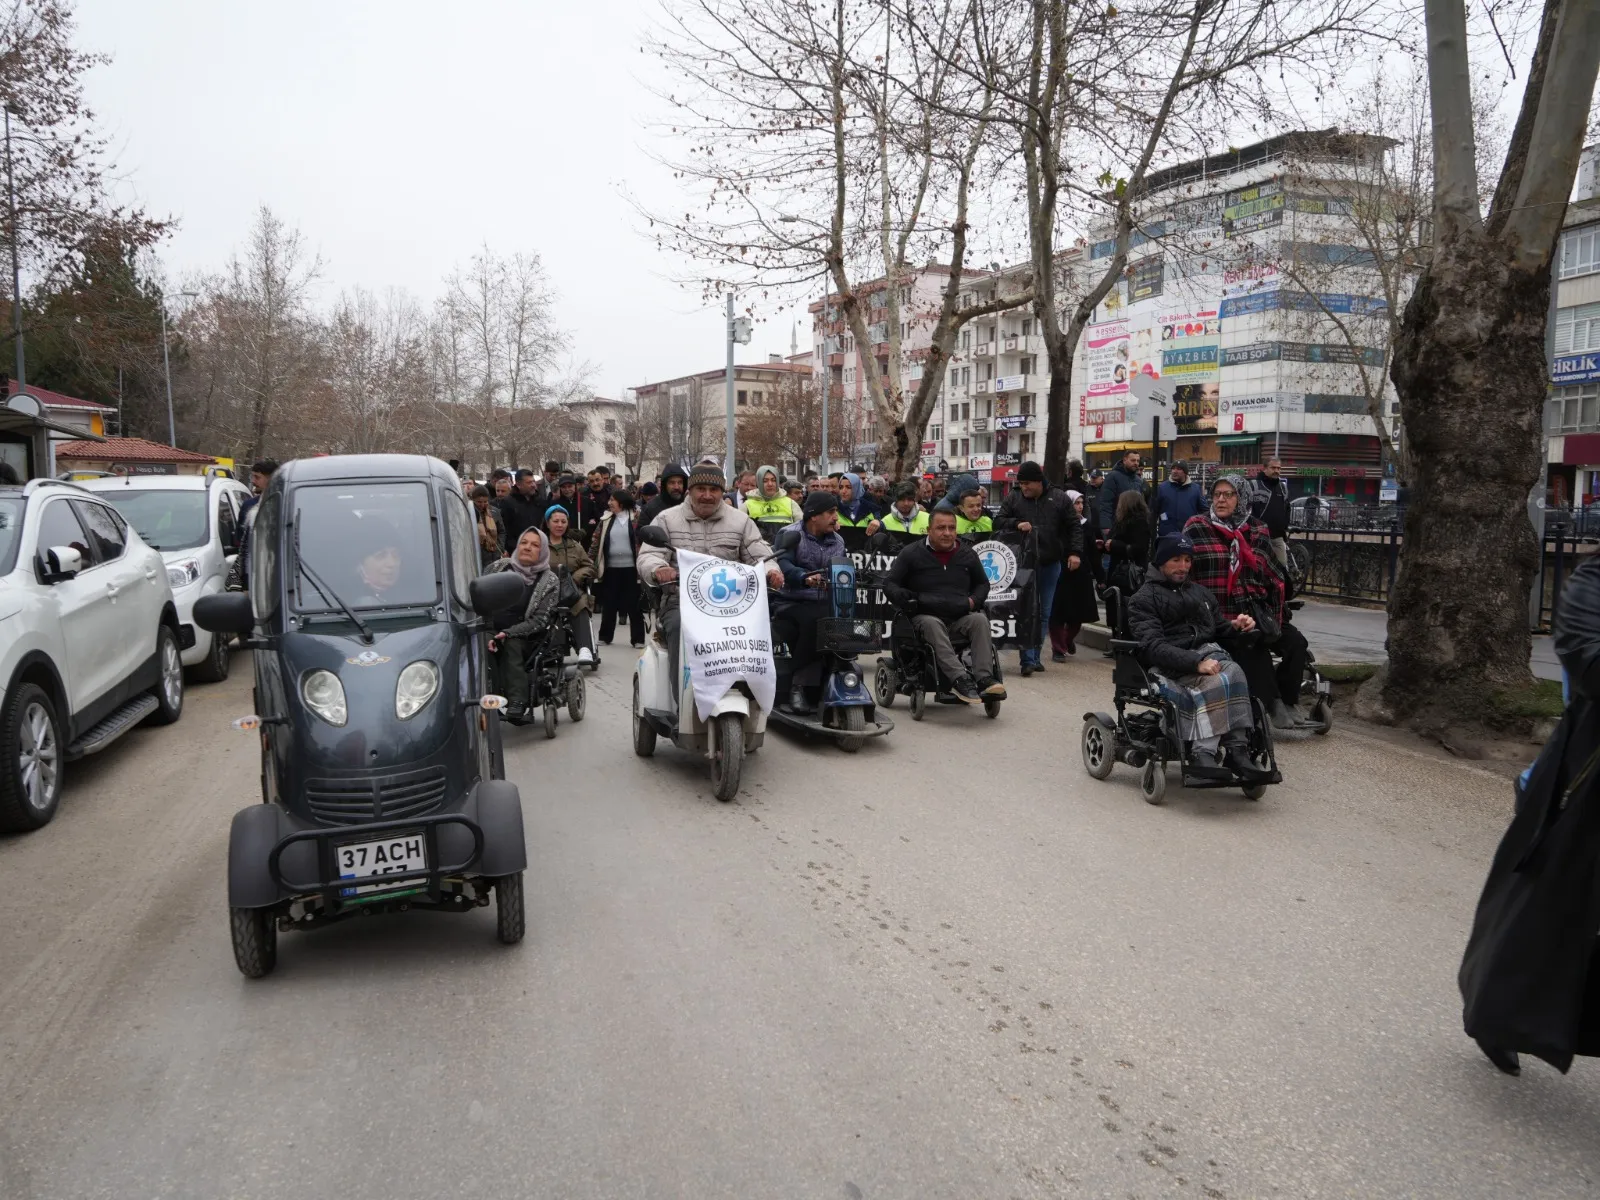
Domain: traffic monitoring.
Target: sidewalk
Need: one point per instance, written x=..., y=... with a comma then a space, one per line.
x=1341, y=634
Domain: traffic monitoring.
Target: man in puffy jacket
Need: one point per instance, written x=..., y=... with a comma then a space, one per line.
x=1177, y=624
x=1268, y=501
x=1034, y=507
x=942, y=586
x=1176, y=500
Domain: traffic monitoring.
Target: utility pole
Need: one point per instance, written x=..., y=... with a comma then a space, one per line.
x=738, y=331
x=166, y=365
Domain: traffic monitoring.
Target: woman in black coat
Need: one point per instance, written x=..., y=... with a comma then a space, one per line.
x=1129, y=547
x=1074, y=605
x=1530, y=979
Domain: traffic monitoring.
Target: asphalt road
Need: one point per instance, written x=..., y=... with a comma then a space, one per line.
x=952, y=966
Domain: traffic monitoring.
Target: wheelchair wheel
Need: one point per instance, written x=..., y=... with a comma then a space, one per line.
x=1153, y=781
x=644, y=733
x=919, y=703
x=577, y=698
x=1254, y=791
x=991, y=709
x=1322, y=715
x=550, y=719
x=885, y=683
x=1098, y=749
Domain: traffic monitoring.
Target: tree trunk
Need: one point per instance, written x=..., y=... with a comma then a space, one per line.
x=1470, y=370
x=1058, y=406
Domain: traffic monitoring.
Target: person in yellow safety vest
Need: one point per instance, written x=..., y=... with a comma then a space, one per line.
x=904, y=515
x=768, y=506
x=970, y=517
x=856, y=506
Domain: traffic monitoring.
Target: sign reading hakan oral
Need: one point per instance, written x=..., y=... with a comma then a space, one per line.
x=727, y=636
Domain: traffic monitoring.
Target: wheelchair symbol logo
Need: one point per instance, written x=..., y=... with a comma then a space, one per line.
x=999, y=564
x=722, y=589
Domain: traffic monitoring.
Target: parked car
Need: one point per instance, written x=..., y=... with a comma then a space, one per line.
x=1318, y=512
x=194, y=521
x=90, y=644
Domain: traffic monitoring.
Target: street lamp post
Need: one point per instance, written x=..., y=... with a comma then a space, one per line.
x=16, y=264
x=738, y=331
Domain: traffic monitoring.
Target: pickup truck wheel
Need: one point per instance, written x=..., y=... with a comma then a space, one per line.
x=31, y=757
x=213, y=668
x=169, y=687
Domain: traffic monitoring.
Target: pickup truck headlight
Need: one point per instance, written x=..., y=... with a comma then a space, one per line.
x=181, y=574
x=417, y=685
x=324, y=695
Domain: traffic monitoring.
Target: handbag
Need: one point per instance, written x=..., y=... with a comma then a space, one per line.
x=1267, y=623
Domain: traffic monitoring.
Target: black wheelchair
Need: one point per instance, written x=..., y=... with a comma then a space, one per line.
x=911, y=670
x=1147, y=740
x=1316, y=692
x=554, y=680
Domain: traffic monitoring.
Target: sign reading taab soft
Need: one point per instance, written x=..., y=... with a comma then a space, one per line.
x=727, y=636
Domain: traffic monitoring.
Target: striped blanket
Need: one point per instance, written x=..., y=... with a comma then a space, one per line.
x=1210, y=705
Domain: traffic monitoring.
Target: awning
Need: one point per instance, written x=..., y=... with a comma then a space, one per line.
x=12, y=421
x=1247, y=439
x=1092, y=447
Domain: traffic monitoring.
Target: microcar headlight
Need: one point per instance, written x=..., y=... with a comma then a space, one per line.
x=181, y=574
x=324, y=695
x=418, y=682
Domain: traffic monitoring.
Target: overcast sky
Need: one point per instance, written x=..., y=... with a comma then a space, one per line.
x=400, y=136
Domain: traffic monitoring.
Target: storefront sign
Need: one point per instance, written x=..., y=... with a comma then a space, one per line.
x=1575, y=368
x=981, y=462
x=1105, y=416
x=1013, y=422
x=1010, y=383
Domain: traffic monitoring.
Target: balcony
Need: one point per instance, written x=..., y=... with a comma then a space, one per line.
x=983, y=386
x=983, y=350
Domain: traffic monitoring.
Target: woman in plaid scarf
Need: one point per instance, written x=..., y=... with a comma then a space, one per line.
x=1233, y=559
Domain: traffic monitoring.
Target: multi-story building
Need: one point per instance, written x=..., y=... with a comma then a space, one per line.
x=597, y=433
x=1253, y=306
x=685, y=419
x=1572, y=445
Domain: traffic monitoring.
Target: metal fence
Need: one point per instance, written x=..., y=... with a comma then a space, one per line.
x=1360, y=564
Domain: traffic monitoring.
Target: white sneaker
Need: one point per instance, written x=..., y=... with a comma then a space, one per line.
x=584, y=655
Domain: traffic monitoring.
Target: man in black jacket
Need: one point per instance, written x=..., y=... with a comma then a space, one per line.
x=1034, y=507
x=1124, y=477
x=1178, y=624
x=674, y=479
x=1269, y=504
x=524, y=508
x=942, y=585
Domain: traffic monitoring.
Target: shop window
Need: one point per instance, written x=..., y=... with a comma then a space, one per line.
x=1580, y=407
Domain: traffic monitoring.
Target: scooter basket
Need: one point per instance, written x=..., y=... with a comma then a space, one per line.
x=849, y=635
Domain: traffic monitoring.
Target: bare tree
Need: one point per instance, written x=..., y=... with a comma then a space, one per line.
x=1471, y=371
x=376, y=363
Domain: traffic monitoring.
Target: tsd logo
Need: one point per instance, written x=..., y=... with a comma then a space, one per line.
x=722, y=589
x=999, y=564
x=367, y=658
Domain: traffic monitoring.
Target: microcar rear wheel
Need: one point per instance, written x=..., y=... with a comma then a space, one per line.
x=214, y=667
x=510, y=921
x=255, y=940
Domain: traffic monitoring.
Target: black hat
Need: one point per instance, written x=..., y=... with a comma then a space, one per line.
x=1030, y=472
x=1171, y=546
x=818, y=503
x=1097, y=473
x=1180, y=465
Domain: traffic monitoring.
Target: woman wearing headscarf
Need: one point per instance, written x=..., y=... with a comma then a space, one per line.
x=768, y=506
x=568, y=554
x=1233, y=559
x=1074, y=605
x=856, y=506
x=616, y=548
x=519, y=626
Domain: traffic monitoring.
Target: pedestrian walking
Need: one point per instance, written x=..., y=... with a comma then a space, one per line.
x=1176, y=500
x=617, y=546
x=567, y=554
x=1124, y=477
x=1268, y=499
x=1073, y=604
x=1530, y=978
x=524, y=507
x=1056, y=527
x=669, y=493
x=491, y=533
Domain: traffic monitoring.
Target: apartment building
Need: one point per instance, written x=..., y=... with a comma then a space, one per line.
x=596, y=436
x=685, y=419
x=1572, y=444
x=1251, y=302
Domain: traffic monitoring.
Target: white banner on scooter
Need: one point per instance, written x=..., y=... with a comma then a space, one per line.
x=727, y=633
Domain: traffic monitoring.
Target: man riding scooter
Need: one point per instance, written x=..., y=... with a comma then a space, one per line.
x=704, y=524
x=805, y=553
